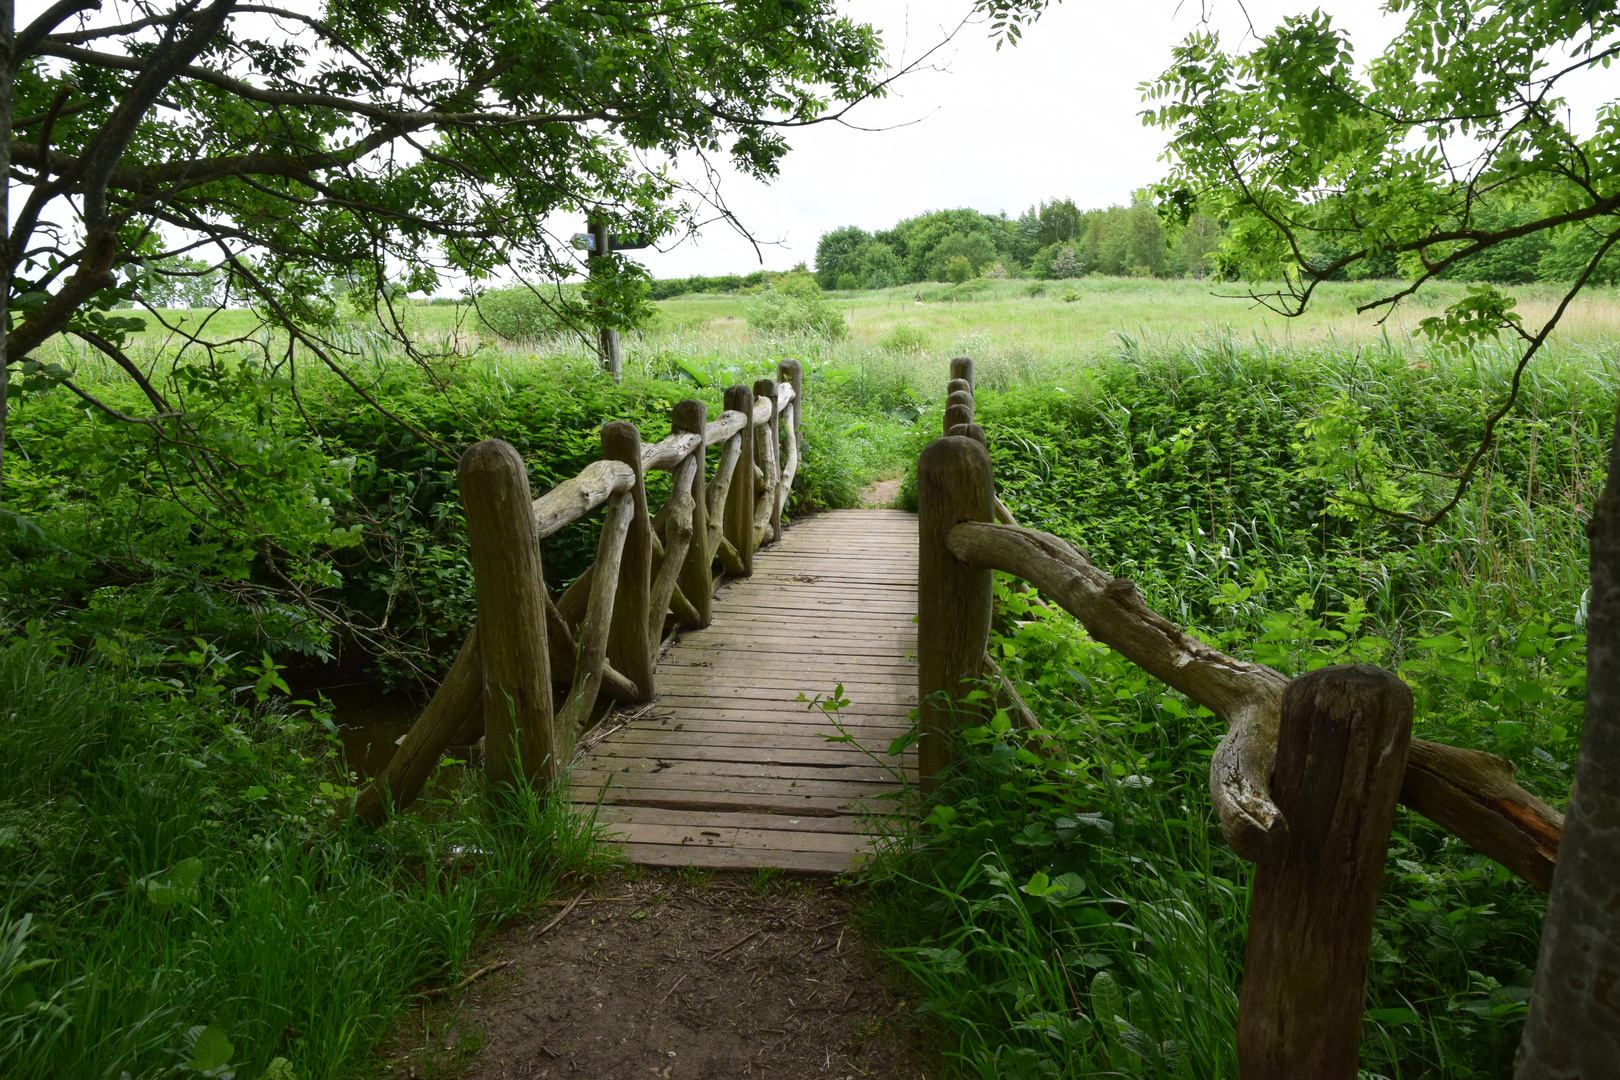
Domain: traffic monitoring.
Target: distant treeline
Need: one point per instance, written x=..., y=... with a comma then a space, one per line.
x=1053, y=240
x=1056, y=239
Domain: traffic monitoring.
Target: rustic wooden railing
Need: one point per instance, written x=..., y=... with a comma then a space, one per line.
x=601, y=637
x=1305, y=782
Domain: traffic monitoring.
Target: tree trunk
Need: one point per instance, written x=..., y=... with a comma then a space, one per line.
x=8, y=74
x=1573, y=1030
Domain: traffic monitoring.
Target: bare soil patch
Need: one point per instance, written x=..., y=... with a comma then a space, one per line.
x=676, y=976
x=881, y=495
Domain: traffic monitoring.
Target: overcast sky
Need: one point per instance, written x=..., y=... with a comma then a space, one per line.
x=997, y=130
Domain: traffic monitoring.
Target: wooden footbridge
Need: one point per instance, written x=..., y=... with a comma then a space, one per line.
x=708, y=755
x=711, y=754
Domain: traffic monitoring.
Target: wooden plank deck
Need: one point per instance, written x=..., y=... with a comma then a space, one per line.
x=728, y=769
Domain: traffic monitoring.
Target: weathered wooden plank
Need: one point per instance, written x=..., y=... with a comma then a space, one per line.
x=654, y=815
x=738, y=858
x=732, y=769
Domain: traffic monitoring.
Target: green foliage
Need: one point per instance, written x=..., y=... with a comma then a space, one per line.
x=521, y=313
x=958, y=269
x=727, y=283
x=795, y=309
x=1199, y=473
x=175, y=897
x=839, y=252
x=1323, y=166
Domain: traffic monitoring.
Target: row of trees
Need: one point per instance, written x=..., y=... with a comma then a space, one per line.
x=1057, y=239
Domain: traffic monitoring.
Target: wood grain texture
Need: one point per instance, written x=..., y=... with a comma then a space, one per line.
x=519, y=742
x=791, y=372
x=1341, y=754
x=696, y=582
x=729, y=769
x=595, y=630
x=629, y=646
x=573, y=499
x=739, y=510
x=953, y=596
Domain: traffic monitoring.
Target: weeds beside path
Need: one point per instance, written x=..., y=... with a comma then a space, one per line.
x=679, y=976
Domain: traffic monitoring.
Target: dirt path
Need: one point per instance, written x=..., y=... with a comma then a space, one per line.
x=677, y=977
x=882, y=494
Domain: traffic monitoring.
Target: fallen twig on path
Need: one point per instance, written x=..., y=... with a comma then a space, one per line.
x=441, y=991
x=563, y=914
x=738, y=944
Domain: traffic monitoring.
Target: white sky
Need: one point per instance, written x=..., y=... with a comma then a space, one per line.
x=999, y=130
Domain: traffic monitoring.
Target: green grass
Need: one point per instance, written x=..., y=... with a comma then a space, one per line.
x=169, y=869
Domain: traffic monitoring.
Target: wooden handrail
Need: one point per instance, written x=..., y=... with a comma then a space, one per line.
x=573, y=499
x=1470, y=793
x=652, y=572
x=1311, y=911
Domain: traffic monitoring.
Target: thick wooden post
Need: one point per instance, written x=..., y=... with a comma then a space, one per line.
x=953, y=598
x=770, y=458
x=958, y=409
x=791, y=372
x=739, y=520
x=962, y=368
x=629, y=648
x=1341, y=753
x=511, y=615
x=696, y=583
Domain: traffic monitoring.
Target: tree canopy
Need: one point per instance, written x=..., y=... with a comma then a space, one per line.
x=1451, y=150
x=376, y=146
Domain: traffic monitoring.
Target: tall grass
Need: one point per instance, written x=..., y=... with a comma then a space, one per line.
x=170, y=868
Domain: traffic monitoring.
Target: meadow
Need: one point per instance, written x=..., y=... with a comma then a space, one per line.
x=171, y=876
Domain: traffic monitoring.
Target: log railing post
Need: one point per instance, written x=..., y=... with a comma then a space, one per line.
x=739, y=519
x=770, y=460
x=962, y=368
x=511, y=615
x=953, y=598
x=629, y=648
x=1341, y=754
x=696, y=583
x=791, y=372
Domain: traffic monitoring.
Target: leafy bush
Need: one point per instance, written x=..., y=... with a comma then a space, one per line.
x=904, y=337
x=1198, y=474
x=789, y=309
x=524, y=314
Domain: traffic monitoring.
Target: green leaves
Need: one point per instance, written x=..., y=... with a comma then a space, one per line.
x=1484, y=312
x=210, y=1052
x=176, y=886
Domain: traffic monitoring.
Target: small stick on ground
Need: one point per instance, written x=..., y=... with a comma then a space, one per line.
x=738, y=944
x=441, y=991
x=561, y=915
x=671, y=990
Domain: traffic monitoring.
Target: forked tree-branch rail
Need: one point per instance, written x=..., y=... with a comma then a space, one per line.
x=1332, y=748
